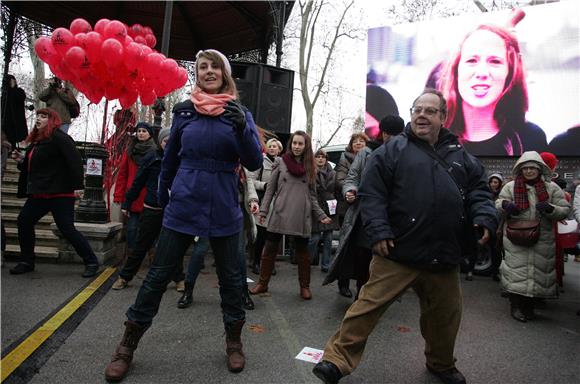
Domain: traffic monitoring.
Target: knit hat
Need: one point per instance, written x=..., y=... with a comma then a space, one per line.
x=227, y=65
x=163, y=134
x=145, y=125
x=550, y=159
x=392, y=125
x=497, y=176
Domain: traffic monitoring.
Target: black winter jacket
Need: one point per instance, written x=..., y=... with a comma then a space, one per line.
x=408, y=196
x=147, y=177
x=56, y=166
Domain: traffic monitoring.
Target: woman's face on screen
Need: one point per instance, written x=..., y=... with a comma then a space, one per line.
x=482, y=70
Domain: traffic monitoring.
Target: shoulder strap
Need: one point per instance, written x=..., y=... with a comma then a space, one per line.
x=448, y=168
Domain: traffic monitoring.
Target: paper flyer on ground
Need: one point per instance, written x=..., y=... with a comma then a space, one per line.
x=310, y=354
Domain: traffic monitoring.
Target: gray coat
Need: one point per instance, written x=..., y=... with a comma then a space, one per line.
x=530, y=271
x=290, y=203
x=342, y=266
x=260, y=178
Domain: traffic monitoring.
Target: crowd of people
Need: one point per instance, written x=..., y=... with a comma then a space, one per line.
x=410, y=202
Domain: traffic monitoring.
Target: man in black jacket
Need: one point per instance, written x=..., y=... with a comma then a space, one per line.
x=418, y=192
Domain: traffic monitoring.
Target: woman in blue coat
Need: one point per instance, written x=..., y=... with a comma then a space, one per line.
x=198, y=187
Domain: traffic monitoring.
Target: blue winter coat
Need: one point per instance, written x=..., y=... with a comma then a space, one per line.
x=198, y=185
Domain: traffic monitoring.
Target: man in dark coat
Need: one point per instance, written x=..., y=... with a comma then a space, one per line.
x=13, y=118
x=416, y=193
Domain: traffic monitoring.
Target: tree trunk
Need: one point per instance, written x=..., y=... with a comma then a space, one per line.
x=37, y=64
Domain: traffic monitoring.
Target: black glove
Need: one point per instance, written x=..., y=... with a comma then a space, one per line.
x=544, y=207
x=235, y=113
x=510, y=208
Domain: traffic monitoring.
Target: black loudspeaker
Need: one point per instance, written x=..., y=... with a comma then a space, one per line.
x=267, y=92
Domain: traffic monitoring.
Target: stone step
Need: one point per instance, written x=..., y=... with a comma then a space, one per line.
x=42, y=253
x=44, y=237
x=11, y=204
x=10, y=179
x=9, y=190
x=12, y=217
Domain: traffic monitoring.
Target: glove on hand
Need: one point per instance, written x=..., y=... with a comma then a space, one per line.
x=235, y=113
x=510, y=208
x=544, y=207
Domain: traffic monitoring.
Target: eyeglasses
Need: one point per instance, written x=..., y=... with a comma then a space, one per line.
x=427, y=111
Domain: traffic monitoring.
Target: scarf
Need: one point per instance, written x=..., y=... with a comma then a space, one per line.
x=210, y=104
x=521, y=194
x=295, y=168
x=139, y=148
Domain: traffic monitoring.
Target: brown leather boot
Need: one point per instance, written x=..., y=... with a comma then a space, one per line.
x=236, y=358
x=303, y=259
x=266, y=266
x=121, y=360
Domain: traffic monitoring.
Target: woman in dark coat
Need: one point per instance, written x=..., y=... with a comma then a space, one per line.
x=13, y=118
x=50, y=172
x=211, y=135
x=288, y=208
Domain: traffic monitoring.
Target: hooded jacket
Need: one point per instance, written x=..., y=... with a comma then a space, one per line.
x=409, y=197
x=530, y=271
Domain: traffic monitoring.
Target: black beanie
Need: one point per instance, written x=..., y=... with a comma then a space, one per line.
x=145, y=125
x=391, y=124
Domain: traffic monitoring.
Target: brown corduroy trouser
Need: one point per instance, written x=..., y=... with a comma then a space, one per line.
x=441, y=305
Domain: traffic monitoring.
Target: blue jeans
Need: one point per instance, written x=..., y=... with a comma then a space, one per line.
x=132, y=230
x=200, y=250
x=326, y=237
x=171, y=248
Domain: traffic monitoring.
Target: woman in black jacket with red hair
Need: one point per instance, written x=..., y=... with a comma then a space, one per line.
x=50, y=172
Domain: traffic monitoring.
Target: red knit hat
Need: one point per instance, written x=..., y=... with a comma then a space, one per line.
x=550, y=159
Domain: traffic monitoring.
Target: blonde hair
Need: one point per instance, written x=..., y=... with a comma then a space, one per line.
x=275, y=141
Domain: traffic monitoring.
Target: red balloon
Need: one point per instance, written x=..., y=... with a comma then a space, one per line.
x=133, y=55
x=181, y=78
x=112, y=91
x=100, y=26
x=62, y=40
x=128, y=97
x=150, y=40
x=128, y=40
x=153, y=63
x=148, y=97
x=45, y=51
x=135, y=30
x=65, y=73
x=81, y=40
x=115, y=30
x=80, y=26
x=93, y=46
x=77, y=61
x=140, y=39
x=112, y=52
x=147, y=31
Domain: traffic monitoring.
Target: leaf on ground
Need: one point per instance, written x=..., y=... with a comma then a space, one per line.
x=257, y=328
x=403, y=329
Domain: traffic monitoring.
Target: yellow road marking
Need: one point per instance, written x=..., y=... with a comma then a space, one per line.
x=35, y=340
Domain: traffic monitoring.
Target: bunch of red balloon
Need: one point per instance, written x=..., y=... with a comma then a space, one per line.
x=113, y=60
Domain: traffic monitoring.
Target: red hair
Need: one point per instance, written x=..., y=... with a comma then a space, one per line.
x=510, y=110
x=54, y=123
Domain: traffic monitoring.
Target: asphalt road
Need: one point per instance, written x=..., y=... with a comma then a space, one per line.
x=187, y=345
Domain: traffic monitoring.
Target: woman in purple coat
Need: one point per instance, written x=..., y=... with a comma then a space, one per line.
x=198, y=187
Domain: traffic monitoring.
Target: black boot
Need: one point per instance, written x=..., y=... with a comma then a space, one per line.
x=327, y=372
x=449, y=376
x=516, y=304
x=343, y=287
x=528, y=308
x=187, y=298
x=247, y=301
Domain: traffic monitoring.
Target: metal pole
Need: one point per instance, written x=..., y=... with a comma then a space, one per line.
x=280, y=32
x=104, y=122
x=167, y=27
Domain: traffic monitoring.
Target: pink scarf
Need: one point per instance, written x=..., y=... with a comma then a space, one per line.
x=209, y=104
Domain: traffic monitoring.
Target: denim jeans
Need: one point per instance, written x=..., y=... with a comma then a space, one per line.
x=132, y=230
x=171, y=248
x=150, y=221
x=196, y=262
x=200, y=250
x=326, y=237
x=62, y=209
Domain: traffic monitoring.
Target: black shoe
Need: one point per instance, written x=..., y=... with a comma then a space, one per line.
x=247, y=301
x=518, y=314
x=186, y=299
x=274, y=271
x=469, y=276
x=21, y=268
x=327, y=372
x=90, y=270
x=449, y=376
x=256, y=269
x=345, y=291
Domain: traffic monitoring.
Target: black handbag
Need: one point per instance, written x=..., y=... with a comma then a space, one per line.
x=523, y=232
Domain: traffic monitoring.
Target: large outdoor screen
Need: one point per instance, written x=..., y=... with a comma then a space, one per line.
x=511, y=78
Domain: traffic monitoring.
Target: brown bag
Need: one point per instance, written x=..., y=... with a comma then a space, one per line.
x=523, y=232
